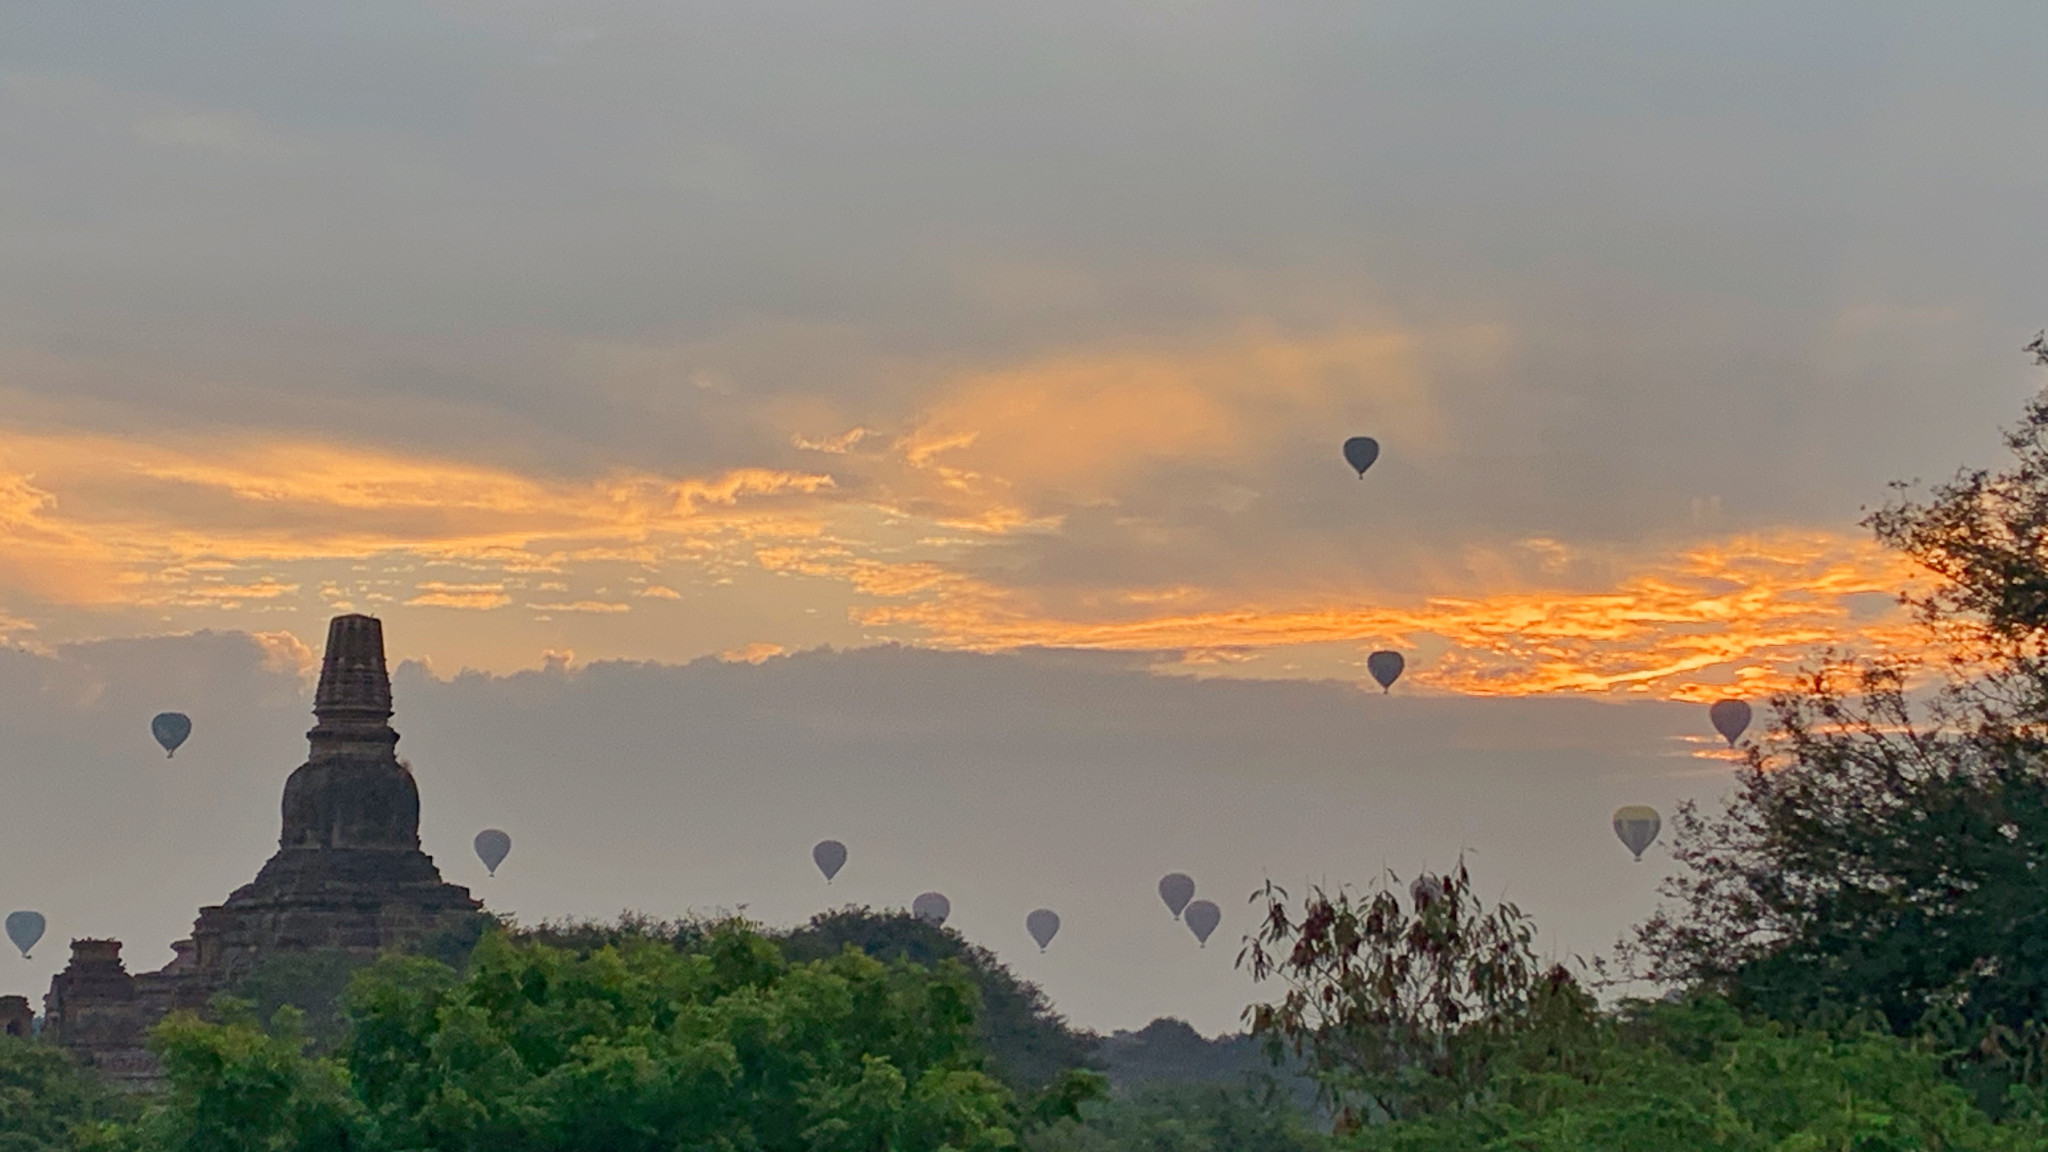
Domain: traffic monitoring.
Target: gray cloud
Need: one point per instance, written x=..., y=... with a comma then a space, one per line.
x=1773, y=258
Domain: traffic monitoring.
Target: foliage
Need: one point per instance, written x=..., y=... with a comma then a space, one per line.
x=311, y=982
x=45, y=1097
x=1029, y=1045
x=1399, y=1010
x=584, y=937
x=1697, y=1077
x=1884, y=849
x=644, y=1047
x=237, y=1088
x=638, y=1046
x=1180, y=1117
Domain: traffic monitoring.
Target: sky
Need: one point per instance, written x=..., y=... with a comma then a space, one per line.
x=919, y=423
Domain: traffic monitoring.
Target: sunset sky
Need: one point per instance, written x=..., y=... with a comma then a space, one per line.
x=1015, y=342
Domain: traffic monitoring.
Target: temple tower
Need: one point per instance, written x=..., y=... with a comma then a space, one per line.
x=348, y=873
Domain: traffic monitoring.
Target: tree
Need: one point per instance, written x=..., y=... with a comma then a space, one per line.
x=1399, y=1011
x=1886, y=846
x=634, y=1047
x=45, y=1097
x=643, y=1047
x=235, y=1087
x=311, y=981
x=1181, y=1117
x=1028, y=1044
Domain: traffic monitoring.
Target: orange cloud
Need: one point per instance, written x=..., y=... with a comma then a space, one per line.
x=1080, y=424
x=1686, y=625
x=96, y=520
x=435, y=594
x=930, y=529
x=753, y=653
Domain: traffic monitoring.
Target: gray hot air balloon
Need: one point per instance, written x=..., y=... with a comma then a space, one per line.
x=830, y=856
x=1203, y=917
x=1730, y=717
x=1044, y=924
x=1638, y=827
x=492, y=846
x=25, y=928
x=1425, y=891
x=1360, y=452
x=170, y=730
x=1385, y=668
x=1177, y=888
x=932, y=908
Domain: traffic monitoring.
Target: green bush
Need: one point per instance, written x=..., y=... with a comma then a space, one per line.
x=45, y=1097
x=1697, y=1077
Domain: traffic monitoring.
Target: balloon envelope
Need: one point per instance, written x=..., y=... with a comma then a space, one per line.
x=1385, y=668
x=1203, y=917
x=25, y=928
x=830, y=856
x=1177, y=888
x=1730, y=717
x=1637, y=826
x=170, y=730
x=932, y=908
x=1360, y=452
x=1044, y=924
x=1425, y=891
x=492, y=846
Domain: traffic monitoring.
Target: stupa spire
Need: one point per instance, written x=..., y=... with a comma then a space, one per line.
x=354, y=684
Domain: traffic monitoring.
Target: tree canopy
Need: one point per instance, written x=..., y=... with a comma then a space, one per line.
x=1886, y=846
x=639, y=1046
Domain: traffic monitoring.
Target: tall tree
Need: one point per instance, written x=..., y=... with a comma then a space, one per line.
x=1886, y=846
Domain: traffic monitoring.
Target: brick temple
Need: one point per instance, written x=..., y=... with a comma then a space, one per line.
x=348, y=875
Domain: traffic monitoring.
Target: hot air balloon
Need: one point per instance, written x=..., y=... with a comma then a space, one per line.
x=1425, y=891
x=25, y=928
x=170, y=730
x=1177, y=888
x=830, y=856
x=492, y=846
x=932, y=908
x=1637, y=826
x=1360, y=452
x=1730, y=717
x=1385, y=668
x=1043, y=924
x=1203, y=917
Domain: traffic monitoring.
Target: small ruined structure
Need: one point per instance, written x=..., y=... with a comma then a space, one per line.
x=16, y=1017
x=348, y=876
x=100, y=1012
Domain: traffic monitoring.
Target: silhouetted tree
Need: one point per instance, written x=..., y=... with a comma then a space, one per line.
x=1400, y=1010
x=1886, y=846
